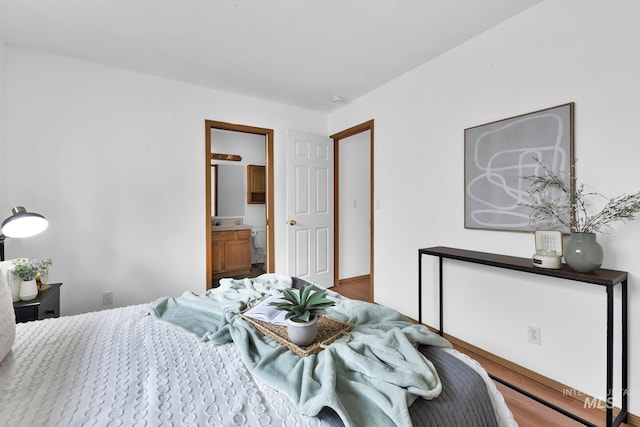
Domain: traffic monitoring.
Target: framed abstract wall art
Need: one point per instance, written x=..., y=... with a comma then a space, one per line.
x=499, y=154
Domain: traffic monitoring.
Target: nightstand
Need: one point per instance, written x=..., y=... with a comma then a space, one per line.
x=46, y=305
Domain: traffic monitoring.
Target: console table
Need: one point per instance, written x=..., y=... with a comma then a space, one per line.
x=601, y=277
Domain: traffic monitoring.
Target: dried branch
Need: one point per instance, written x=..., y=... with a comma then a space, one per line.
x=553, y=204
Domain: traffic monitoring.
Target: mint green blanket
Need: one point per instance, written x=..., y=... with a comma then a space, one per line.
x=373, y=378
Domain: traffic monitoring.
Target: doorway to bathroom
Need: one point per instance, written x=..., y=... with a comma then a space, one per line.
x=239, y=201
x=354, y=213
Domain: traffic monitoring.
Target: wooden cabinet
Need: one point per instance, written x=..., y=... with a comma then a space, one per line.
x=256, y=184
x=230, y=252
x=217, y=255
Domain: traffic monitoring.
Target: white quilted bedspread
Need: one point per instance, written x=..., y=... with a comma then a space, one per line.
x=121, y=367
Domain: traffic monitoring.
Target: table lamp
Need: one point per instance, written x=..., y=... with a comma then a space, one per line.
x=21, y=224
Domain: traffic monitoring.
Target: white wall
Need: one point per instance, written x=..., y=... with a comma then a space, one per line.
x=355, y=210
x=4, y=210
x=555, y=52
x=116, y=161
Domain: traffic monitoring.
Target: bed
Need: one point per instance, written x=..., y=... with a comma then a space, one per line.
x=127, y=366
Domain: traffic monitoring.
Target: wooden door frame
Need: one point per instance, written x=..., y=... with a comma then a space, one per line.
x=337, y=137
x=270, y=223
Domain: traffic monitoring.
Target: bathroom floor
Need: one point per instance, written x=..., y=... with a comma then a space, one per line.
x=256, y=270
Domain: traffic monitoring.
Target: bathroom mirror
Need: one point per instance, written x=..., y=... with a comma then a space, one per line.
x=227, y=190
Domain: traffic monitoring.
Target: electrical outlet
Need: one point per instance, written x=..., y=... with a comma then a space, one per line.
x=107, y=298
x=534, y=334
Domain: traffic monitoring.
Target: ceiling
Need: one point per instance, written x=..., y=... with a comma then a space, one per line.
x=296, y=52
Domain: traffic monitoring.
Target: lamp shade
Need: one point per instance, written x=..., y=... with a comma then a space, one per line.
x=23, y=223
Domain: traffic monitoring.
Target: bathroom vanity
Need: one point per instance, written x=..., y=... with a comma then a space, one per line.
x=230, y=250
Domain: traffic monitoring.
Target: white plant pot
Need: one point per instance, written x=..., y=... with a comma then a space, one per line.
x=28, y=290
x=304, y=333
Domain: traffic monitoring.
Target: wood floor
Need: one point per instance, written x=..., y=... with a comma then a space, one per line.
x=527, y=412
x=355, y=289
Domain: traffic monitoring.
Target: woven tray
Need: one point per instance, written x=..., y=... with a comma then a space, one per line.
x=329, y=330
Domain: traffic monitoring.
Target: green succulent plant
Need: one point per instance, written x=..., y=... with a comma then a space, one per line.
x=302, y=304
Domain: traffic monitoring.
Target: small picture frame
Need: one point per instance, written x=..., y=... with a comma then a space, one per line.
x=549, y=241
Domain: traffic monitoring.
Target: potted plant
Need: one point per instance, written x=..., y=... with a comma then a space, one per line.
x=303, y=307
x=554, y=203
x=26, y=270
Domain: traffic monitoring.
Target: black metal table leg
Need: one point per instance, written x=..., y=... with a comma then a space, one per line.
x=609, y=394
x=419, y=287
x=441, y=297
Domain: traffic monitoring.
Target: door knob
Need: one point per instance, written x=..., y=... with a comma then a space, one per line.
x=292, y=222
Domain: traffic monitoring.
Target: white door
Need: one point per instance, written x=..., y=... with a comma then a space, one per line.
x=310, y=207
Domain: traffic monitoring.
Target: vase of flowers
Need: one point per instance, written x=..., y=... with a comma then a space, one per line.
x=554, y=203
x=26, y=270
x=303, y=307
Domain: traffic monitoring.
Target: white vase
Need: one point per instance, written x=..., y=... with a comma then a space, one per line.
x=28, y=290
x=302, y=333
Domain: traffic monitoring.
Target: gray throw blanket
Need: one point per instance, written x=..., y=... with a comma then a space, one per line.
x=374, y=376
